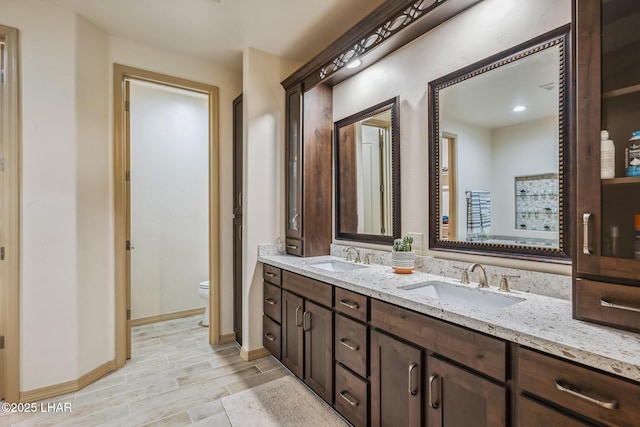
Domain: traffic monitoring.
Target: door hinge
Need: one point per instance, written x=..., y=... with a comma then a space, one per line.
x=1, y=343
x=128, y=314
x=126, y=106
x=128, y=245
x=127, y=176
x=2, y=253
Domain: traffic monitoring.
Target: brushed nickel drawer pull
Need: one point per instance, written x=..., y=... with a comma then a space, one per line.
x=345, y=395
x=574, y=391
x=605, y=303
x=270, y=301
x=270, y=336
x=304, y=321
x=412, y=391
x=270, y=274
x=351, y=304
x=351, y=347
x=298, y=324
x=586, y=249
x=292, y=246
x=433, y=404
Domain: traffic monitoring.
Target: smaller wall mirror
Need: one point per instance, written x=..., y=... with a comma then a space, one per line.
x=499, y=178
x=367, y=164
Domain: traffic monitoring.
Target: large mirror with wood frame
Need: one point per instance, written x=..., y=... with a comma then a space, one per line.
x=499, y=178
x=367, y=178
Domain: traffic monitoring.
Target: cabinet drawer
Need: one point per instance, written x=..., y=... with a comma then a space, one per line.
x=534, y=414
x=608, y=303
x=294, y=246
x=312, y=289
x=477, y=351
x=598, y=396
x=351, y=344
x=351, y=397
x=272, y=305
x=351, y=304
x=271, y=274
x=271, y=336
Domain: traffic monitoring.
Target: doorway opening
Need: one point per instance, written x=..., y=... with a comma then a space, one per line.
x=9, y=215
x=448, y=180
x=166, y=199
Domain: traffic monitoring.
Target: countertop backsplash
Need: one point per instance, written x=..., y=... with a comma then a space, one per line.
x=547, y=284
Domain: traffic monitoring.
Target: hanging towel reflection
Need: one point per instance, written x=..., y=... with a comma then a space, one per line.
x=478, y=213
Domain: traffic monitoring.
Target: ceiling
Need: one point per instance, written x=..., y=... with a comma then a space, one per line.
x=218, y=30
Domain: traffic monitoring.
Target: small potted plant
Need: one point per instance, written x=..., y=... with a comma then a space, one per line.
x=403, y=256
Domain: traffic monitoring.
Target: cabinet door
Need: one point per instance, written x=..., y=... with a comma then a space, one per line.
x=237, y=278
x=456, y=397
x=292, y=334
x=318, y=349
x=293, y=138
x=396, y=394
x=608, y=90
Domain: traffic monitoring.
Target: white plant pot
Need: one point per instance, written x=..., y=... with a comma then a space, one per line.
x=403, y=262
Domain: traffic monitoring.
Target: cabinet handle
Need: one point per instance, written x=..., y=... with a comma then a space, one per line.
x=351, y=304
x=586, y=249
x=351, y=347
x=270, y=274
x=270, y=336
x=412, y=391
x=304, y=321
x=292, y=246
x=432, y=403
x=345, y=395
x=575, y=391
x=270, y=301
x=298, y=324
x=605, y=303
x=240, y=199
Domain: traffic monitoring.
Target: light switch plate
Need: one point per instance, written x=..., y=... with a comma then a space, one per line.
x=417, y=241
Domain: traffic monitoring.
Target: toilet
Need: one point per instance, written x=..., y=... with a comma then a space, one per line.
x=203, y=291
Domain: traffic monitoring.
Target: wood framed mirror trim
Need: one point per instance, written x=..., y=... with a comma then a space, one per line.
x=392, y=105
x=562, y=253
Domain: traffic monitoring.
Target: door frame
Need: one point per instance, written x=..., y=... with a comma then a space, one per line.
x=121, y=73
x=10, y=281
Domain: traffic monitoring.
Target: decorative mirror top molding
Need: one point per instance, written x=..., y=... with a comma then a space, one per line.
x=367, y=165
x=386, y=30
x=499, y=178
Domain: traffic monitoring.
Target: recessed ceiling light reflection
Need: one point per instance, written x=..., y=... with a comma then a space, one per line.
x=519, y=108
x=355, y=63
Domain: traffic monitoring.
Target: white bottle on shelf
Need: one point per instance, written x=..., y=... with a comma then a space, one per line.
x=607, y=156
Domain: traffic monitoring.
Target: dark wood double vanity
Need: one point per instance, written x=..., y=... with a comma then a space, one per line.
x=381, y=364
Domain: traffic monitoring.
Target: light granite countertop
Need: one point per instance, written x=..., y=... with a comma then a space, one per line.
x=539, y=322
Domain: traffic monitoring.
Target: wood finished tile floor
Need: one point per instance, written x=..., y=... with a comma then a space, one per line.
x=174, y=378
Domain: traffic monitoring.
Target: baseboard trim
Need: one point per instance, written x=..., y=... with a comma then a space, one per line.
x=227, y=338
x=69, y=386
x=253, y=354
x=167, y=316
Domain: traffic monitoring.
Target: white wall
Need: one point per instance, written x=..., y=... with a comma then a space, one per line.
x=483, y=30
x=169, y=198
x=529, y=148
x=94, y=233
x=263, y=192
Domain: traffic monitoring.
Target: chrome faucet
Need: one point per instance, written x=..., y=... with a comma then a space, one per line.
x=482, y=275
x=348, y=252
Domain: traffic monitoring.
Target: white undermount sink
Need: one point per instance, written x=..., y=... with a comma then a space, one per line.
x=337, y=266
x=464, y=296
